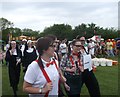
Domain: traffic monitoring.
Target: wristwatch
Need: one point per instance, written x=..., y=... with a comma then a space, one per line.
x=40, y=90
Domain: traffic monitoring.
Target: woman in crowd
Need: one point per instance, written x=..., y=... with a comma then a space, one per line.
x=72, y=67
x=55, y=45
x=42, y=76
x=29, y=55
x=13, y=57
x=56, y=56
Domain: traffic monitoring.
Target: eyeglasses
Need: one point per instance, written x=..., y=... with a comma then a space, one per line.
x=13, y=43
x=78, y=45
x=82, y=40
x=56, y=42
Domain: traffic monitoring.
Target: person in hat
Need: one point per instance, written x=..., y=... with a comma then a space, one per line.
x=13, y=57
x=109, y=46
x=29, y=55
x=22, y=47
x=114, y=46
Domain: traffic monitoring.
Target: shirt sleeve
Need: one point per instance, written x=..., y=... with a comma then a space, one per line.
x=63, y=62
x=30, y=75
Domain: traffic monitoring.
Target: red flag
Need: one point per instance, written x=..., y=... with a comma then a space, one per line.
x=85, y=32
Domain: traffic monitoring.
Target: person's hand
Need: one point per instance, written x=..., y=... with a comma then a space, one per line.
x=73, y=69
x=62, y=78
x=81, y=68
x=12, y=51
x=67, y=87
x=47, y=87
x=18, y=61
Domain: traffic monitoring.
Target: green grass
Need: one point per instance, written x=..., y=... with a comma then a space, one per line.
x=6, y=89
x=106, y=76
x=108, y=80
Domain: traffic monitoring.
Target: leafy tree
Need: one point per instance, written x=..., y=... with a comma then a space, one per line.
x=6, y=28
x=60, y=30
x=16, y=32
x=29, y=32
x=4, y=24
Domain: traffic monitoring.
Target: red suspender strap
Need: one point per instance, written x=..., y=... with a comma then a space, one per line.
x=55, y=64
x=71, y=60
x=79, y=62
x=46, y=76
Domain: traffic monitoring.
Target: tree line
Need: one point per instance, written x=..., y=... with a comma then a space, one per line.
x=62, y=31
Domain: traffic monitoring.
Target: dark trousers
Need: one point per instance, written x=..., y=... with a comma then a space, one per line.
x=89, y=79
x=74, y=82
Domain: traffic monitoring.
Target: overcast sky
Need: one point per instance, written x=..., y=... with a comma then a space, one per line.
x=37, y=15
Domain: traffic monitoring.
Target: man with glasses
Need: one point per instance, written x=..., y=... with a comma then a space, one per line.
x=88, y=77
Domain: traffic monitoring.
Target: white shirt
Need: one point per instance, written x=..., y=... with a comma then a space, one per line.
x=63, y=48
x=35, y=77
x=7, y=47
x=91, y=46
x=30, y=50
x=22, y=49
x=87, y=61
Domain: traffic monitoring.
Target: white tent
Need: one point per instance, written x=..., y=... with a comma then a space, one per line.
x=96, y=38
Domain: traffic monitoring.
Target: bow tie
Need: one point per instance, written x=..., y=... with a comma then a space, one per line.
x=50, y=63
x=75, y=54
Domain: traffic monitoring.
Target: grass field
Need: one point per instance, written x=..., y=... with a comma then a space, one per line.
x=107, y=78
